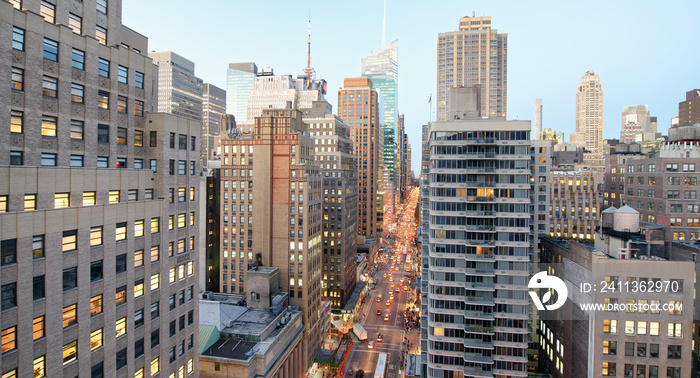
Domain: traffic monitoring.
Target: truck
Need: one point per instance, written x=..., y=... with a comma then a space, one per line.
x=360, y=331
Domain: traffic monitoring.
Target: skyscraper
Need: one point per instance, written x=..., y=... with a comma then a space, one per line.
x=358, y=105
x=213, y=106
x=271, y=196
x=98, y=201
x=478, y=244
x=179, y=90
x=537, y=120
x=689, y=110
x=473, y=54
x=589, y=114
x=635, y=122
x=240, y=78
x=334, y=153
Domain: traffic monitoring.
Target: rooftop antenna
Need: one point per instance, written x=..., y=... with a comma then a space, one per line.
x=309, y=71
x=384, y=26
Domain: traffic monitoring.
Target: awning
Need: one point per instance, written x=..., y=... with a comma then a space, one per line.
x=340, y=325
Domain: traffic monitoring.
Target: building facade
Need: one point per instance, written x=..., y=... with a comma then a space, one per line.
x=635, y=122
x=334, y=153
x=179, y=90
x=589, y=114
x=213, y=106
x=473, y=54
x=358, y=106
x=240, y=78
x=537, y=119
x=574, y=210
x=478, y=246
x=98, y=201
x=271, y=214
x=689, y=110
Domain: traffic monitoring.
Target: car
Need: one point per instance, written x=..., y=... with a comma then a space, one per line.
x=398, y=290
x=386, y=317
x=405, y=288
x=380, y=337
x=388, y=303
x=360, y=374
x=392, y=284
x=379, y=299
x=397, y=269
x=370, y=345
x=384, y=275
x=349, y=372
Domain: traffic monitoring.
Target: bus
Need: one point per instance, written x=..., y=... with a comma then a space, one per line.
x=381, y=366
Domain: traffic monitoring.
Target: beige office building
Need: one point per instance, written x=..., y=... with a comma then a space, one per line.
x=473, y=54
x=98, y=201
x=589, y=114
x=271, y=212
x=574, y=206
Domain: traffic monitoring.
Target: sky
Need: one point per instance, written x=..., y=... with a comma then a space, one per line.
x=646, y=52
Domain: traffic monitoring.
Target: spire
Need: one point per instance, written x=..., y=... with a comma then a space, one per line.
x=384, y=26
x=309, y=71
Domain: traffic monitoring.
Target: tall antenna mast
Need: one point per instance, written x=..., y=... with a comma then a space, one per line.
x=309, y=70
x=384, y=26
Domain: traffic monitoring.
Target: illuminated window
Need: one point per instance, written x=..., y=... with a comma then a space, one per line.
x=38, y=328
x=114, y=196
x=9, y=339
x=181, y=271
x=155, y=281
x=121, y=326
x=190, y=269
x=120, y=295
x=155, y=253
x=155, y=366
x=138, y=288
x=96, y=339
x=155, y=225
x=70, y=240
x=172, y=277
x=70, y=315
x=181, y=222
x=138, y=228
x=96, y=305
x=121, y=231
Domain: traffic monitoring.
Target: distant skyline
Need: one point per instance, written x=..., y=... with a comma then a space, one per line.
x=642, y=50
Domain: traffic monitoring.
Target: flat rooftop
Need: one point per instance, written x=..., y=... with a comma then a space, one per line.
x=251, y=322
x=230, y=348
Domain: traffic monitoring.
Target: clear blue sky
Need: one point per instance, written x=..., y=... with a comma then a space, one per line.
x=646, y=52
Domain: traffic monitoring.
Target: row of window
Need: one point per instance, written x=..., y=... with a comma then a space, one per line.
x=633, y=327
x=609, y=369
x=50, y=52
x=62, y=200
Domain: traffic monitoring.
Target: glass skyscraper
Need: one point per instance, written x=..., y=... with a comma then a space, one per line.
x=240, y=78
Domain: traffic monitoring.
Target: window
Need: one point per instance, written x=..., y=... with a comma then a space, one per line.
x=70, y=240
x=609, y=369
x=9, y=296
x=16, y=121
x=17, y=79
x=674, y=330
x=192, y=167
x=96, y=339
x=8, y=254
x=138, y=286
x=610, y=326
x=172, y=299
x=121, y=105
x=48, y=11
x=95, y=271
x=38, y=287
x=193, y=143
x=138, y=139
x=172, y=140
x=122, y=74
x=172, y=167
x=155, y=366
x=121, y=326
x=38, y=328
x=155, y=282
x=138, y=80
x=102, y=134
x=138, y=108
x=50, y=49
x=153, y=139
x=173, y=328
x=9, y=339
x=182, y=141
x=29, y=202
x=49, y=86
x=190, y=293
x=48, y=126
x=181, y=194
x=3, y=204
x=61, y=200
x=121, y=231
x=190, y=317
x=70, y=278
x=155, y=338
x=102, y=161
x=120, y=263
x=76, y=129
x=674, y=352
x=181, y=167
x=101, y=34
x=76, y=160
x=171, y=222
x=70, y=352
x=138, y=348
x=148, y=194
x=16, y=157
x=155, y=308
x=102, y=6
x=155, y=225
x=171, y=274
x=78, y=59
x=138, y=163
x=96, y=305
x=181, y=221
x=103, y=67
x=103, y=101
x=138, y=318
x=70, y=315
x=38, y=246
x=138, y=228
x=75, y=23
x=17, y=38
x=48, y=160
x=121, y=358
x=192, y=193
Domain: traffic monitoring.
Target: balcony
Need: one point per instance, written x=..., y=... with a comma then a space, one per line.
x=475, y=357
x=481, y=315
x=480, y=141
x=481, y=155
x=480, y=271
x=479, y=329
x=480, y=184
x=480, y=300
x=480, y=199
x=476, y=372
x=479, y=286
x=480, y=212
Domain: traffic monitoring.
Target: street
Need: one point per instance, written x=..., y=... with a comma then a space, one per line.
x=390, y=270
